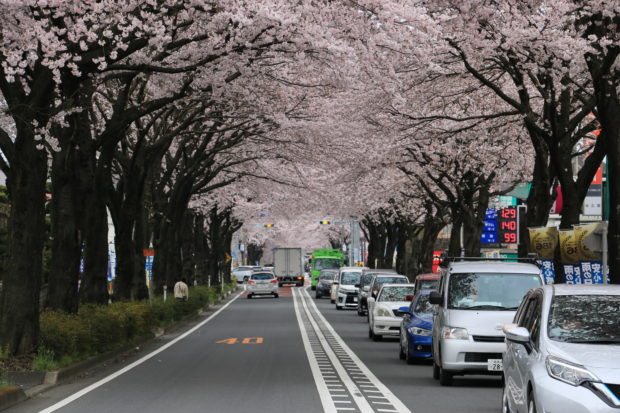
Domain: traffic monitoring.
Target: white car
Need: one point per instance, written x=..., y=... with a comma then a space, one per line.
x=263, y=283
x=345, y=287
x=563, y=351
x=384, y=316
x=244, y=271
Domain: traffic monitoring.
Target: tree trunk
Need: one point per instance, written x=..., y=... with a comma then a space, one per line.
x=19, y=302
x=454, y=249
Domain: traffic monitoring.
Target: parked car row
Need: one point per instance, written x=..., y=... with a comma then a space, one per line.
x=556, y=347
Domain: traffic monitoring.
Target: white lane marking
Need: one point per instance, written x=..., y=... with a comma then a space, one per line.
x=326, y=400
x=133, y=365
x=359, y=399
x=398, y=405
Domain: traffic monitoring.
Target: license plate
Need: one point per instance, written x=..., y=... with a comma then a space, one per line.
x=495, y=365
x=355, y=299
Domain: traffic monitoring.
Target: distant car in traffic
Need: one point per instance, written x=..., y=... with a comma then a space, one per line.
x=474, y=301
x=243, y=271
x=416, y=329
x=324, y=284
x=426, y=282
x=385, y=316
x=563, y=351
x=344, y=285
x=378, y=280
x=364, y=286
x=262, y=283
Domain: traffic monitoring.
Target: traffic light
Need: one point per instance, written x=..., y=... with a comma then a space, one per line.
x=268, y=225
x=324, y=222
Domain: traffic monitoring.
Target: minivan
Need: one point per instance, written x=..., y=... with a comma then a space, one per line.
x=475, y=299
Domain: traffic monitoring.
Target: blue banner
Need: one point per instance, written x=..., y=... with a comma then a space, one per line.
x=547, y=270
x=491, y=213
x=488, y=238
x=490, y=225
x=592, y=272
x=572, y=274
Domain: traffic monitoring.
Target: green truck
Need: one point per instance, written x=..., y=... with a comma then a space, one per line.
x=323, y=259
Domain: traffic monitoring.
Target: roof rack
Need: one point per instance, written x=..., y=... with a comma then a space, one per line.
x=531, y=259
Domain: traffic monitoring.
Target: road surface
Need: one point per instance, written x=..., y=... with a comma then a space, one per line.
x=292, y=354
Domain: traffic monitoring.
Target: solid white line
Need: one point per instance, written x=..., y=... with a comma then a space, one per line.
x=398, y=405
x=133, y=365
x=321, y=387
x=361, y=402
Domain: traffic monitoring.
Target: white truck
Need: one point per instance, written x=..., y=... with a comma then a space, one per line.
x=288, y=266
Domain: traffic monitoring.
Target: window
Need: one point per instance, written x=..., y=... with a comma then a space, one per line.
x=395, y=293
x=325, y=263
x=350, y=278
x=489, y=291
x=423, y=306
x=327, y=276
x=531, y=315
x=585, y=319
x=262, y=277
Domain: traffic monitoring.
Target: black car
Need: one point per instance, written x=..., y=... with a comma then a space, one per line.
x=326, y=278
x=362, y=293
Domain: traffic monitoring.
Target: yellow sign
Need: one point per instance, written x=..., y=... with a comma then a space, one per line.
x=228, y=258
x=568, y=247
x=247, y=340
x=543, y=241
x=581, y=233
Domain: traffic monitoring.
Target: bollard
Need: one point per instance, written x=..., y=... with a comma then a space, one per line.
x=165, y=292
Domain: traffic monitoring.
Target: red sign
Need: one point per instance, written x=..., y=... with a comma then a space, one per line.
x=436, y=261
x=149, y=252
x=507, y=225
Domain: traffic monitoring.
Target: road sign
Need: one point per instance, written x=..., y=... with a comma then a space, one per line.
x=324, y=222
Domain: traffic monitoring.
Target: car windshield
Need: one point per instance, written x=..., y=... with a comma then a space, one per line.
x=350, y=277
x=262, y=276
x=585, y=319
x=427, y=284
x=325, y=263
x=365, y=279
x=328, y=276
x=489, y=291
x=387, y=280
x=243, y=269
x=423, y=306
x=395, y=293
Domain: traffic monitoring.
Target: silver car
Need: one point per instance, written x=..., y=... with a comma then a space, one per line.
x=262, y=283
x=563, y=351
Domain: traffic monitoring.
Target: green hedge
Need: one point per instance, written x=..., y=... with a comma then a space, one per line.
x=96, y=329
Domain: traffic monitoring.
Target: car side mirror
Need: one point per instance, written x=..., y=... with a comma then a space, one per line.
x=366, y=288
x=335, y=283
x=409, y=297
x=518, y=335
x=404, y=310
x=435, y=298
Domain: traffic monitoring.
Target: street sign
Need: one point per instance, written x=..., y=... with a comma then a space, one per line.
x=507, y=223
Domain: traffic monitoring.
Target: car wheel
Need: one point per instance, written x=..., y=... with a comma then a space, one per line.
x=531, y=405
x=313, y=287
x=249, y=296
x=377, y=337
x=435, y=371
x=401, y=352
x=317, y=296
x=276, y=296
x=445, y=378
x=338, y=307
x=370, y=333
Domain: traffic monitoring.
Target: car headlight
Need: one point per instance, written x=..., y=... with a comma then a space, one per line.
x=567, y=372
x=454, y=333
x=382, y=312
x=416, y=331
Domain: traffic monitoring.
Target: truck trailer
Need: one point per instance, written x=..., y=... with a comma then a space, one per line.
x=288, y=266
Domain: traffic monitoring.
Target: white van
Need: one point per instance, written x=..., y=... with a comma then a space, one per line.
x=475, y=299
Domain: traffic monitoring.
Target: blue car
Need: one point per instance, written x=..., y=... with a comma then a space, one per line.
x=416, y=329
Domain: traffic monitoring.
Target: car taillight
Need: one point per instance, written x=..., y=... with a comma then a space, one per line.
x=299, y=278
x=275, y=280
x=251, y=282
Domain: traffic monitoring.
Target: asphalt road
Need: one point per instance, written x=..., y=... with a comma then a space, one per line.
x=292, y=354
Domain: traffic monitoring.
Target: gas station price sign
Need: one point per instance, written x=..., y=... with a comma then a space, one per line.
x=507, y=223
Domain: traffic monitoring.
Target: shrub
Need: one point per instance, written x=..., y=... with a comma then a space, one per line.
x=99, y=328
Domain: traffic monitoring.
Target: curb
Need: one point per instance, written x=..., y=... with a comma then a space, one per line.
x=13, y=395
x=10, y=396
